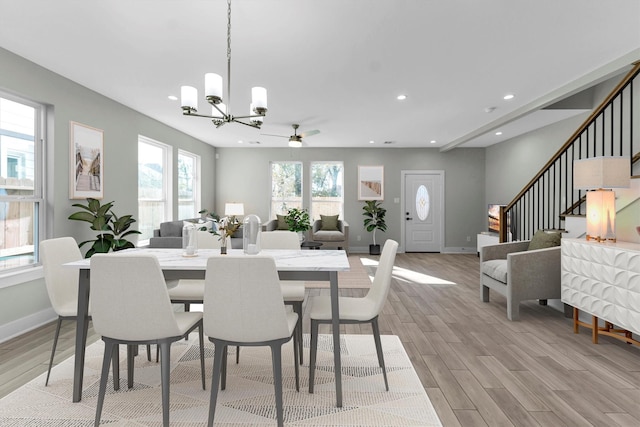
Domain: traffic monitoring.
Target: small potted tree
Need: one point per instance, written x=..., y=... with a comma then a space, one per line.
x=111, y=229
x=298, y=221
x=374, y=220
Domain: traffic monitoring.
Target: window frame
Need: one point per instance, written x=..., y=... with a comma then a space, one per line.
x=294, y=203
x=33, y=270
x=312, y=200
x=196, y=179
x=167, y=181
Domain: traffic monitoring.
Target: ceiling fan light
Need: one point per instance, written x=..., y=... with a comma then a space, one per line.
x=189, y=98
x=259, y=99
x=213, y=87
x=295, y=143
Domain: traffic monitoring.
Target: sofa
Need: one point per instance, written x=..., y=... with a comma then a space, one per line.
x=169, y=235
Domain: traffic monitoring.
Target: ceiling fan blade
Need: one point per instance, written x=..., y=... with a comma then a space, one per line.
x=270, y=134
x=309, y=133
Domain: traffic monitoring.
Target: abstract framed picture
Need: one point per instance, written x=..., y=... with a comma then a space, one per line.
x=87, y=162
x=370, y=182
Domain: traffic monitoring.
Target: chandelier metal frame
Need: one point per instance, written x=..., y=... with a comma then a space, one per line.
x=189, y=97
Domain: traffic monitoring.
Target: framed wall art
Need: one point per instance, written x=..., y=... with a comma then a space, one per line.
x=87, y=162
x=370, y=182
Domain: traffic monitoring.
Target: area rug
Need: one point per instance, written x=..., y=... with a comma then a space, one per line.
x=358, y=276
x=248, y=399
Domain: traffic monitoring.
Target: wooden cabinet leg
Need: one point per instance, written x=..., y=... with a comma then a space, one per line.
x=594, y=329
x=576, y=314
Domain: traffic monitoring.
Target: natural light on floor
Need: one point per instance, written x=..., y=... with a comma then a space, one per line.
x=408, y=276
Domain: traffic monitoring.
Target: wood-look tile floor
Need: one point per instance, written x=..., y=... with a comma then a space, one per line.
x=478, y=368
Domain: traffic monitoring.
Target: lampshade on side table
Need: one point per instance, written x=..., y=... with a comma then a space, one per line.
x=600, y=175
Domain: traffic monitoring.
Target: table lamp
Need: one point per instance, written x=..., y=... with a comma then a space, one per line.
x=599, y=175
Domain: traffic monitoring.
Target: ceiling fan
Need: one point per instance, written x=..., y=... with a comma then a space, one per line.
x=295, y=140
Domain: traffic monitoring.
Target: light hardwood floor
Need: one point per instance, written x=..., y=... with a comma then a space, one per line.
x=478, y=368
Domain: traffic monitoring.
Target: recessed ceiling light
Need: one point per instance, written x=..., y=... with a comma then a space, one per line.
x=240, y=141
x=401, y=97
x=508, y=96
x=173, y=97
x=372, y=142
x=498, y=133
x=433, y=141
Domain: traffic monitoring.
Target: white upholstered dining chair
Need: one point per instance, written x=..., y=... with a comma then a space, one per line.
x=191, y=291
x=61, y=283
x=131, y=306
x=243, y=306
x=356, y=310
x=293, y=291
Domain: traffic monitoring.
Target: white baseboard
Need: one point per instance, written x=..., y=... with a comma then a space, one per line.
x=26, y=324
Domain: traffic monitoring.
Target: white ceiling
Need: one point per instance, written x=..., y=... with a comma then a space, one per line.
x=337, y=65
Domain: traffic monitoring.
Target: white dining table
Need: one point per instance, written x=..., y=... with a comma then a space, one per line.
x=322, y=265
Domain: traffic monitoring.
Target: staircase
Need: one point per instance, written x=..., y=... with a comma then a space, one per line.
x=613, y=129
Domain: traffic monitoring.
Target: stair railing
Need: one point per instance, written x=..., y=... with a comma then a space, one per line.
x=608, y=131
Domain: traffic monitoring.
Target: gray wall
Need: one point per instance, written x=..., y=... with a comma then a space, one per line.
x=72, y=102
x=242, y=175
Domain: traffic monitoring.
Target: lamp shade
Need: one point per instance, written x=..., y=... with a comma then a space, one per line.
x=601, y=172
x=259, y=99
x=189, y=97
x=234, y=209
x=213, y=86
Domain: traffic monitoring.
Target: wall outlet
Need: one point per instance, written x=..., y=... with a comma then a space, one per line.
x=468, y=238
x=358, y=238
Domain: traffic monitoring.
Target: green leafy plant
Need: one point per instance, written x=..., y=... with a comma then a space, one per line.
x=374, y=217
x=298, y=220
x=111, y=228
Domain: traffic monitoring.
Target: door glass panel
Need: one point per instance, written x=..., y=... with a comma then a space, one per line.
x=422, y=203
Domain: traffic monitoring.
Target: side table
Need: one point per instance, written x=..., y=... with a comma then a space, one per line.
x=311, y=245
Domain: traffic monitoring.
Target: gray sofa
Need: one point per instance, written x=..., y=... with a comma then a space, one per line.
x=169, y=235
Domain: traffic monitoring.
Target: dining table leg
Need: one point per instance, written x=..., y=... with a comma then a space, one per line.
x=82, y=325
x=335, y=327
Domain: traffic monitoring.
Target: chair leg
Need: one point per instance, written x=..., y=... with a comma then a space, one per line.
x=116, y=367
x=218, y=355
x=276, y=361
x=223, y=380
x=312, y=353
x=130, y=363
x=106, y=359
x=201, y=340
x=297, y=308
x=149, y=352
x=296, y=367
x=165, y=369
x=376, y=337
x=237, y=354
x=53, y=350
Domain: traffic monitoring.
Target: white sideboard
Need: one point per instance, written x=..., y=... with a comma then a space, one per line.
x=485, y=239
x=603, y=279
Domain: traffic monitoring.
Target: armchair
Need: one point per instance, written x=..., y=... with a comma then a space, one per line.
x=519, y=274
x=338, y=238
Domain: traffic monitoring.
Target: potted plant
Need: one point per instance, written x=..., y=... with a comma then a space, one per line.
x=298, y=221
x=111, y=229
x=374, y=220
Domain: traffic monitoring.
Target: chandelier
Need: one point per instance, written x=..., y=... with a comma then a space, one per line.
x=221, y=113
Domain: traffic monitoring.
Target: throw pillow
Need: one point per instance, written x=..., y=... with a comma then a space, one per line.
x=282, y=222
x=329, y=222
x=544, y=239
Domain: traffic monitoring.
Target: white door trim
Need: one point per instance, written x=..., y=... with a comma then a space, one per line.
x=403, y=175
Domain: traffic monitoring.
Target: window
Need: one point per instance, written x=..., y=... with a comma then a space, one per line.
x=188, y=185
x=327, y=196
x=286, y=187
x=154, y=182
x=21, y=189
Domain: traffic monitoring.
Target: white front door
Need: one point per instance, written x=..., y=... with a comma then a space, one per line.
x=423, y=211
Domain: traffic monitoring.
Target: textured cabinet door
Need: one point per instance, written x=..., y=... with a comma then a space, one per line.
x=603, y=280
